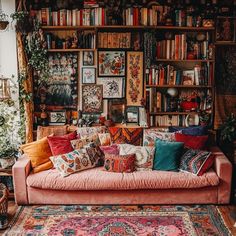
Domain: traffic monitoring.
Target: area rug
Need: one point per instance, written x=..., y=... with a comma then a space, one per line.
x=118, y=221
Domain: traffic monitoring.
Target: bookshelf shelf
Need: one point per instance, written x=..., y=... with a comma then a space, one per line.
x=70, y=50
x=224, y=43
x=184, y=60
x=179, y=86
x=172, y=113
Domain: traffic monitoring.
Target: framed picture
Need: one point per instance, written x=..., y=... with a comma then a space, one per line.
x=88, y=58
x=92, y=99
x=111, y=63
x=132, y=114
x=143, y=120
x=88, y=75
x=225, y=29
x=188, y=77
x=134, y=86
x=57, y=118
x=112, y=87
x=116, y=110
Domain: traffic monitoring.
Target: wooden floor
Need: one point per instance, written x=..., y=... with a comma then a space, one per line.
x=228, y=212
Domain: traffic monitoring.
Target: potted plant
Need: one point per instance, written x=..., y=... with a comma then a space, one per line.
x=23, y=21
x=3, y=20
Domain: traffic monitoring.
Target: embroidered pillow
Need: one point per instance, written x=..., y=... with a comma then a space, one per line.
x=126, y=135
x=196, y=162
x=113, y=149
x=150, y=136
x=80, y=143
x=194, y=142
x=143, y=155
x=105, y=139
x=118, y=163
x=95, y=154
x=85, y=132
x=192, y=130
x=72, y=162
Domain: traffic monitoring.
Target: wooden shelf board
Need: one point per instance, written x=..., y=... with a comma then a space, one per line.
x=224, y=43
x=172, y=113
x=184, y=60
x=71, y=50
x=179, y=86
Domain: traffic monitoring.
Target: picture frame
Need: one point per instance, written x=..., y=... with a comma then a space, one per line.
x=113, y=87
x=143, y=119
x=57, y=118
x=225, y=29
x=111, y=63
x=132, y=114
x=88, y=75
x=88, y=58
x=116, y=110
x=92, y=98
x=188, y=77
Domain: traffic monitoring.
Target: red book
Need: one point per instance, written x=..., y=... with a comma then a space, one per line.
x=81, y=17
x=103, y=16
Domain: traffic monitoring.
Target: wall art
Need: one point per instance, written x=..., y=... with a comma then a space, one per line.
x=134, y=87
x=88, y=75
x=116, y=110
x=132, y=114
x=57, y=117
x=92, y=99
x=111, y=63
x=88, y=58
x=112, y=87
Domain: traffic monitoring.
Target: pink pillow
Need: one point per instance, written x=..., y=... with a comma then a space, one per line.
x=61, y=144
x=113, y=149
x=193, y=142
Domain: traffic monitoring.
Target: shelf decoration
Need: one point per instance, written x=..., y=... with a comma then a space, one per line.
x=111, y=63
x=134, y=90
x=88, y=58
x=92, y=99
x=112, y=87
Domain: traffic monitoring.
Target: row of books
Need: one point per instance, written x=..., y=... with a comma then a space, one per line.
x=114, y=40
x=177, y=49
x=169, y=75
x=165, y=120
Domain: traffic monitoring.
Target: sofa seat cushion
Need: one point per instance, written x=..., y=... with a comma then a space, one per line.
x=98, y=179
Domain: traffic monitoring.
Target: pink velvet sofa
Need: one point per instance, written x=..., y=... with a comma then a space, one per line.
x=96, y=186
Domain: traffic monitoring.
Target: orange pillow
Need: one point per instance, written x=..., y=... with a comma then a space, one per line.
x=38, y=152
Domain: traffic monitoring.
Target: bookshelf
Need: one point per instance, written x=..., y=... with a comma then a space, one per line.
x=137, y=19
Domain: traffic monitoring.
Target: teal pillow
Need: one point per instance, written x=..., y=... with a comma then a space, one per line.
x=167, y=155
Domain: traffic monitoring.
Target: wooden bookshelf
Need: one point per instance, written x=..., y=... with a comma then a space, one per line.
x=71, y=50
x=179, y=86
x=172, y=113
x=184, y=60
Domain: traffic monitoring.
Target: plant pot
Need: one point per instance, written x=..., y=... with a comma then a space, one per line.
x=3, y=25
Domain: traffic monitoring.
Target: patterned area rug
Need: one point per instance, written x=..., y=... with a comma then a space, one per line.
x=118, y=221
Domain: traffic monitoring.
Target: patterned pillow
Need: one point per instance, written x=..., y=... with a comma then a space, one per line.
x=75, y=161
x=117, y=163
x=126, y=135
x=192, y=130
x=196, y=162
x=85, y=132
x=113, y=149
x=150, y=136
x=143, y=155
x=80, y=143
x=105, y=139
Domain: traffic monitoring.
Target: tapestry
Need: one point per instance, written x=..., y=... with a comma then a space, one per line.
x=134, y=87
x=118, y=220
x=126, y=135
x=225, y=102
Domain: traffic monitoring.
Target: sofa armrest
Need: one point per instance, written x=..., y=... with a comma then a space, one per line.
x=21, y=170
x=223, y=168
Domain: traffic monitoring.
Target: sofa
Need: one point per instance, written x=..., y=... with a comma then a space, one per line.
x=96, y=186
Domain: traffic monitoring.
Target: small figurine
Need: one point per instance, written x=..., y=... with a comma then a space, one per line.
x=68, y=42
x=74, y=40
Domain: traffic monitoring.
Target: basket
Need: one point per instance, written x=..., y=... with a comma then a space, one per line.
x=3, y=25
x=3, y=206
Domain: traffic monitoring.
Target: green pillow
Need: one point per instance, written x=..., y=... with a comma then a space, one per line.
x=167, y=155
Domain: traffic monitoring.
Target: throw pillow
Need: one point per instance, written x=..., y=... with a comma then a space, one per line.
x=72, y=162
x=143, y=155
x=105, y=139
x=196, y=162
x=43, y=132
x=194, y=142
x=113, y=149
x=167, y=155
x=85, y=132
x=150, y=136
x=95, y=154
x=38, y=152
x=192, y=130
x=80, y=143
x=61, y=144
x=118, y=163
x=126, y=135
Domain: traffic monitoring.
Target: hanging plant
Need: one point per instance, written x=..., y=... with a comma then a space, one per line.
x=3, y=20
x=23, y=21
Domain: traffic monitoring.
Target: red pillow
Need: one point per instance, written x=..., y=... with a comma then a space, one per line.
x=194, y=142
x=61, y=144
x=120, y=164
x=113, y=149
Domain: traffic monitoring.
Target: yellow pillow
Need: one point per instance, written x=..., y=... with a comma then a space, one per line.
x=38, y=152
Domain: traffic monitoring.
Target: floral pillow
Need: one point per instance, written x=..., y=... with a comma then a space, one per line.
x=80, y=143
x=85, y=132
x=120, y=164
x=143, y=155
x=113, y=149
x=150, y=136
x=105, y=139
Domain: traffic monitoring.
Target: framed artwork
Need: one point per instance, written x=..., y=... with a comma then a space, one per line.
x=225, y=29
x=57, y=117
x=92, y=99
x=88, y=58
x=143, y=120
x=188, y=77
x=112, y=87
x=88, y=75
x=62, y=87
x=134, y=86
x=132, y=114
x=111, y=63
x=116, y=110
